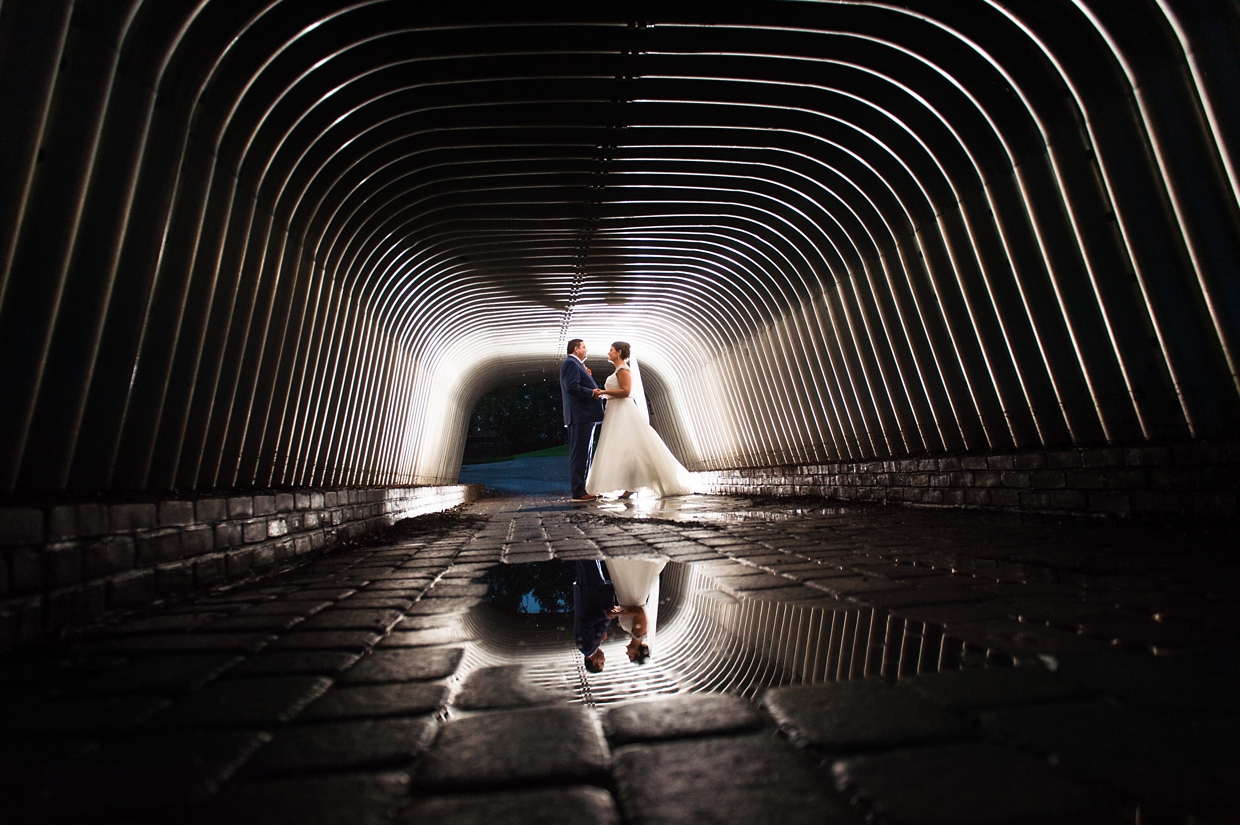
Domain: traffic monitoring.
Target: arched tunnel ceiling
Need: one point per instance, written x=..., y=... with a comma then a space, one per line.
x=292, y=242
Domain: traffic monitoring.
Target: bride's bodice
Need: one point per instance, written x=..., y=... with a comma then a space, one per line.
x=613, y=380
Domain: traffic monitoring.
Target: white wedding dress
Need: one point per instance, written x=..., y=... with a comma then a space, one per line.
x=630, y=455
x=637, y=583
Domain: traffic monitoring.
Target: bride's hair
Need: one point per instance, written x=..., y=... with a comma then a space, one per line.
x=622, y=347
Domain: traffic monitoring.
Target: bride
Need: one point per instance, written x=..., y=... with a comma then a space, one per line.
x=636, y=582
x=630, y=455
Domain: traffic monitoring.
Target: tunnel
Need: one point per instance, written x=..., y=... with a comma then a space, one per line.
x=290, y=244
x=938, y=303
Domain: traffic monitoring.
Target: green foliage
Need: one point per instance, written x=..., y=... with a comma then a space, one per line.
x=548, y=583
x=560, y=451
x=529, y=417
x=550, y=452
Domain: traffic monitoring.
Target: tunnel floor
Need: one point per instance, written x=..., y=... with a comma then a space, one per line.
x=812, y=664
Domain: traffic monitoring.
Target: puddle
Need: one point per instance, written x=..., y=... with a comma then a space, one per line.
x=538, y=587
x=707, y=637
x=711, y=509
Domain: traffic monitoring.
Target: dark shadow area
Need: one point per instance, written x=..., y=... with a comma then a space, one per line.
x=514, y=420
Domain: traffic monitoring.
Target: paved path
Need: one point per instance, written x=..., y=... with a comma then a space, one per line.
x=1019, y=670
x=523, y=476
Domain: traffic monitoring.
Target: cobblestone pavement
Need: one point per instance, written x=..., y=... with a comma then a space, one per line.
x=996, y=669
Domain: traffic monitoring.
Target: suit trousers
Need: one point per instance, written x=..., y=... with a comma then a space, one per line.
x=580, y=450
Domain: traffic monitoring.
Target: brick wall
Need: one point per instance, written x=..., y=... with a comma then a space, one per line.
x=1192, y=479
x=66, y=565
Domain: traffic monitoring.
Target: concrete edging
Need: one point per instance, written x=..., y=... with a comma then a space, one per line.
x=1199, y=479
x=66, y=565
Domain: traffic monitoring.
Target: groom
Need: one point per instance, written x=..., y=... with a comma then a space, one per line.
x=582, y=412
x=594, y=603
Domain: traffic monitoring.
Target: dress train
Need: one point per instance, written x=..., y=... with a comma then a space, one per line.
x=630, y=454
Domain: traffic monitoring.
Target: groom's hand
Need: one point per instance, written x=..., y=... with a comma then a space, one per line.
x=597, y=392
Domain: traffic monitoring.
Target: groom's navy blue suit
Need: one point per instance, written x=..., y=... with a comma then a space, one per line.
x=582, y=412
x=593, y=596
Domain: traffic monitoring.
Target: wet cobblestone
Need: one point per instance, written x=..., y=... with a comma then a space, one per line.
x=692, y=715
x=965, y=784
x=503, y=686
x=753, y=778
x=544, y=745
x=551, y=806
x=1017, y=670
x=343, y=746
x=868, y=715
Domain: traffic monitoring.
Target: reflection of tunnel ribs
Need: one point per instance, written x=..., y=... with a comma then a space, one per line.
x=546, y=651
x=740, y=645
x=536, y=641
x=711, y=640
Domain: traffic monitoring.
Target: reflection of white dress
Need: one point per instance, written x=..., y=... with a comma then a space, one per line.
x=637, y=583
x=630, y=455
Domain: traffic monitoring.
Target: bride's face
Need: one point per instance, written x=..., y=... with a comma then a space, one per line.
x=612, y=355
x=633, y=649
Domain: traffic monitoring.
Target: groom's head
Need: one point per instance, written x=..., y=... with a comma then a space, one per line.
x=594, y=661
x=577, y=347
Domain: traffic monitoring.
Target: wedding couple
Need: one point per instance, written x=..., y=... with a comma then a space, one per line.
x=630, y=455
x=625, y=589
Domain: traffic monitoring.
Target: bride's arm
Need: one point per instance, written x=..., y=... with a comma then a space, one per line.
x=639, y=624
x=626, y=383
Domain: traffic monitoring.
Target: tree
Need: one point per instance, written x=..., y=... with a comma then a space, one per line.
x=528, y=417
x=537, y=587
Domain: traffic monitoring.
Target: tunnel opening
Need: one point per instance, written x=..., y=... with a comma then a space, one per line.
x=512, y=421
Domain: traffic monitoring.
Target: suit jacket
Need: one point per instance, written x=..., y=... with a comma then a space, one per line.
x=593, y=596
x=576, y=391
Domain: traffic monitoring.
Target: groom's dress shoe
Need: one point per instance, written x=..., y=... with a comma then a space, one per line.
x=585, y=498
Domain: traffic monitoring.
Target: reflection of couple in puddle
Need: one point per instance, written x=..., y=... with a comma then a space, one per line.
x=624, y=589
